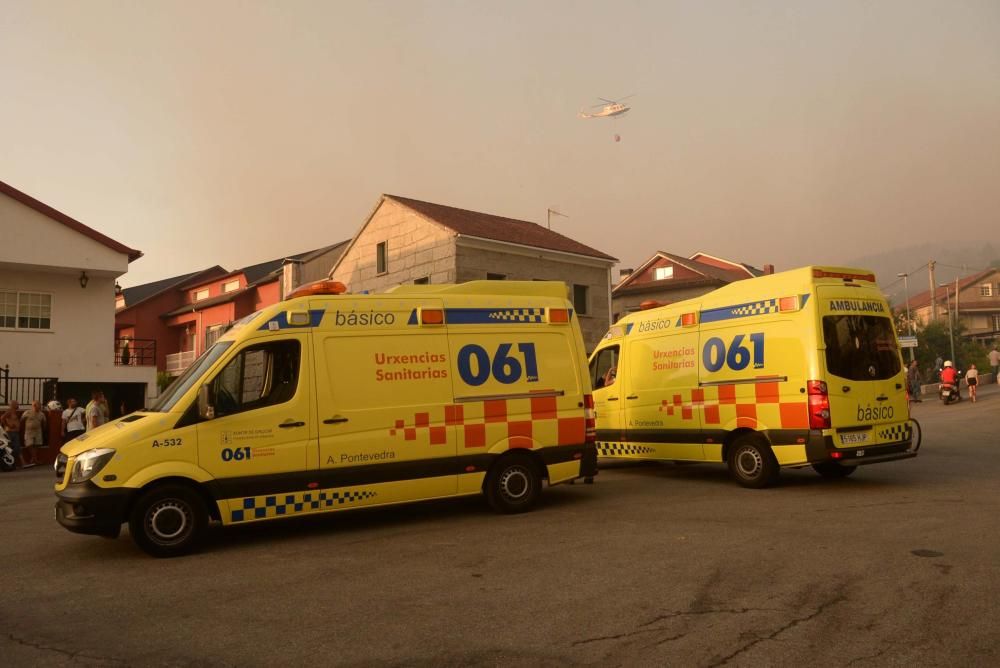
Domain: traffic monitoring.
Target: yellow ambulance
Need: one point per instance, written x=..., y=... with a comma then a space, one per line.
x=328, y=401
x=792, y=369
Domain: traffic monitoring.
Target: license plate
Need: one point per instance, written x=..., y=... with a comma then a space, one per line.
x=854, y=439
x=946, y=393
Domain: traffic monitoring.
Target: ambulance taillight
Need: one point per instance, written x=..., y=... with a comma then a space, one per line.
x=590, y=418
x=819, y=404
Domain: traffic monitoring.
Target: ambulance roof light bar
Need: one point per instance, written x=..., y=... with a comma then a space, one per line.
x=324, y=287
x=846, y=275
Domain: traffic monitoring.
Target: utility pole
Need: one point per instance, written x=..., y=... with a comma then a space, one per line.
x=951, y=327
x=930, y=273
x=549, y=213
x=956, y=300
x=906, y=294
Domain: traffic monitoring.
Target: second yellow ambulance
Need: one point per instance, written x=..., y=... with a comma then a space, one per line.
x=330, y=401
x=793, y=369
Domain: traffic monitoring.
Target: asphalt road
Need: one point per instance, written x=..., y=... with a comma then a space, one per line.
x=652, y=565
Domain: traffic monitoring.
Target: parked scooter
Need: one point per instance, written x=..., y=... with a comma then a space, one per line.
x=7, y=461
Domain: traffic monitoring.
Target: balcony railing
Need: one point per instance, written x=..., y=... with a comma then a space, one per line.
x=135, y=352
x=178, y=362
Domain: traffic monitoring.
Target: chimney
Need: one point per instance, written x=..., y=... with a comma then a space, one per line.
x=624, y=273
x=291, y=276
x=768, y=269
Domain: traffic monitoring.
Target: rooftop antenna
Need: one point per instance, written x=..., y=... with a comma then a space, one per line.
x=549, y=213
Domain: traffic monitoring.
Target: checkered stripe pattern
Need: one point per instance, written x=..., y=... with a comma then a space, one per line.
x=519, y=315
x=275, y=505
x=751, y=405
x=757, y=308
x=897, y=432
x=520, y=421
x=619, y=449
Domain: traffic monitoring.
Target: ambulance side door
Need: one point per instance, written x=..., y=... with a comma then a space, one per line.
x=381, y=390
x=264, y=422
x=663, y=403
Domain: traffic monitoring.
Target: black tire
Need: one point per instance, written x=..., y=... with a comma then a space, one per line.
x=168, y=521
x=833, y=470
x=7, y=462
x=513, y=484
x=751, y=462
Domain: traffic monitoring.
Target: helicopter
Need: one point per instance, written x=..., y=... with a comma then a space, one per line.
x=608, y=108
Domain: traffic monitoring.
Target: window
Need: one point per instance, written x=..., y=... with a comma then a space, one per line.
x=662, y=273
x=231, y=285
x=860, y=347
x=986, y=290
x=604, y=368
x=496, y=277
x=262, y=375
x=212, y=334
x=996, y=322
x=381, y=258
x=25, y=310
x=199, y=295
x=423, y=280
x=580, y=299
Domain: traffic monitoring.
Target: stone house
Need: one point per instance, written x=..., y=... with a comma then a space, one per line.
x=410, y=241
x=667, y=278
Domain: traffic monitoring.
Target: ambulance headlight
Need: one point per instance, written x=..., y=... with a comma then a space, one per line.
x=90, y=462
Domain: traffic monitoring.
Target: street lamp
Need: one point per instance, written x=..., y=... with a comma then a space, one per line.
x=906, y=293
x=951, y=327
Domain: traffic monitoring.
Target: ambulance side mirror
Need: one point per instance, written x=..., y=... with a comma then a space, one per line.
x=205, y=410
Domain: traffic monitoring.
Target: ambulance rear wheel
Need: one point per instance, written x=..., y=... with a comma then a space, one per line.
x=833, y=470
x=513, y=484
x=168, y=521
x=752, y=463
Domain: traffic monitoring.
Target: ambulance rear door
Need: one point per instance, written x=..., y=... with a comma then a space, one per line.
x=864, y=373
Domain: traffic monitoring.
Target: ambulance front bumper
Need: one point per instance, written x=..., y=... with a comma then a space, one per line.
x=88, y=509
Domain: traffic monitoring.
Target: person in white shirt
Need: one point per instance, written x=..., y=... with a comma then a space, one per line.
x=74, y=421
x=97, y=413
x=995, y=364
x=972, y=380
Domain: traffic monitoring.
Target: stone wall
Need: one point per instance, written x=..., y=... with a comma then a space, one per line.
x=474, y=263
x=416, y=248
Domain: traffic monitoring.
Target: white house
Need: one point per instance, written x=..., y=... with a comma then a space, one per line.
x=57, y=309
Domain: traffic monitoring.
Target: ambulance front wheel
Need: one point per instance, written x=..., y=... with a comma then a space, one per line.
x=513, y=484
x=752, y=463
x=168, y=521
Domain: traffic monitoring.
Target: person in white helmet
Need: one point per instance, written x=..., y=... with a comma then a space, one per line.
x=948, y=374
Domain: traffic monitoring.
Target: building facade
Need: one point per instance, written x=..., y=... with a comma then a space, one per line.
x=181, y=317
x=977, y=304
x=57, y=287
x=666, y=278
x=412, y=241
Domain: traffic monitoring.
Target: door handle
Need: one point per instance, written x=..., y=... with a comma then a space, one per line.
x=899, y=386
x=845, y=388
x=612, y=399
x=881, y=397
x=632, y=396
x=290, y=424
x=335, y=420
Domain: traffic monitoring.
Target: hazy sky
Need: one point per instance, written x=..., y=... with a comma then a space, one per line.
x=236, y=132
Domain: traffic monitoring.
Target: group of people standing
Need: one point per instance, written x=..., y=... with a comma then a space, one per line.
x=946, y=373
x=34, y=423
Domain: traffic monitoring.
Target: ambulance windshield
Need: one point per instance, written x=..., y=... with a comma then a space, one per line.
x=179, y=387
x=860, y=347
